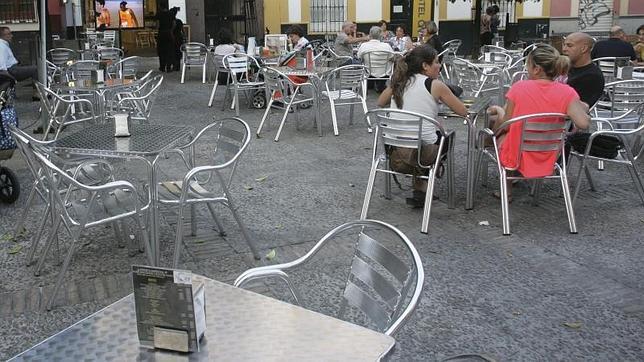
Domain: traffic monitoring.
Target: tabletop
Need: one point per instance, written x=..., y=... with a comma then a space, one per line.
x=91, y=86
x=240, y=326
x=144, y=140
x=316, y=71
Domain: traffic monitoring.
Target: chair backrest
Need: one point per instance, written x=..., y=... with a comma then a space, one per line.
x=541, y=132
x=348, y=77
x=610, y=66
x=194, y=53
x=109, y=38
x=503, y=59
x=143, y=38
x=385, y=273
x=276, y=82
x=467, y=76
x=127, y=67
x=60, y=56
x=625, y=95
x=240, y=65
x=112, y=54
x=453, y=45
x=82, y=69
x=379, y=64
x=328, y=58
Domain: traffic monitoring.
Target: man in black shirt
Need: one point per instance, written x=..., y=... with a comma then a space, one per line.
x=584, y=75
x=615, y=46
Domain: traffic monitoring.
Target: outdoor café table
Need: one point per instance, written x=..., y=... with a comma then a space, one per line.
x=147, y=142
x=240, y=326
x=100, y=89
x=316, y=76
x=475, y=107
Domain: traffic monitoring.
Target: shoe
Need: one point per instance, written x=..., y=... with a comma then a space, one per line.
x=497, y=195
x=35, y=99
x=39, y=130
x=305, y=105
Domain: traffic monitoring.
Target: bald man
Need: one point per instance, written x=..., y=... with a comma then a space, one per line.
x=345, y=39
x=615, y=46
x=584, y=75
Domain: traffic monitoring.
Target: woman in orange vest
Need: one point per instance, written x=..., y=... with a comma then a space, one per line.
x=127, y=19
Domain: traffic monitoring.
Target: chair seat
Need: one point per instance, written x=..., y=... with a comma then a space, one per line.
x=249, y=84
x=172, y=191
x=341, y=94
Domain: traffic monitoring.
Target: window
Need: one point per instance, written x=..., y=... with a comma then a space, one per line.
x=17, y=11
x=327, y=16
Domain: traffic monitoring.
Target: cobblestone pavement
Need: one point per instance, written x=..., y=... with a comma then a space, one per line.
x=540, y=294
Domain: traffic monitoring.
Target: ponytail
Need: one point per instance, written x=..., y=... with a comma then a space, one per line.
x=407, y=67
x=399, y=80
x=549, y=59
x=562, y=65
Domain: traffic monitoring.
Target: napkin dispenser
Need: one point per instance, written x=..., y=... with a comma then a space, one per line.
x=250, y=50
x=121, y=128
x=98, y=76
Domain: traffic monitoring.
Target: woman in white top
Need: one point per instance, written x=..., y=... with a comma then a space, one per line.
x=401, y=42
x=225, y=46
x=296, y=36
x=414, y=87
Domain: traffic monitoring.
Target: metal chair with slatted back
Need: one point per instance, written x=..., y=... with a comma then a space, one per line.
x=244, y=74
x=283, y=94
x=60, y=56
x=609, y=66
x=111, y=55
x=108, y=38
x=218, y=61
x=194, y=55
x=623, y=95
x=139, y=104
x=82, y=69
x=63, y=110
x=543, y=132
x=404, y=129
x=381, y=272
x=125, y=68
x=343, y=86
x=473, y=79
x=379, y=65
x=453, y=45
x=208, y=179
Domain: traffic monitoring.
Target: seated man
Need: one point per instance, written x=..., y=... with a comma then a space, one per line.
x=9, y=65
x=615, y=46
x=345, y=39
x=377, y=67
x=584, y=76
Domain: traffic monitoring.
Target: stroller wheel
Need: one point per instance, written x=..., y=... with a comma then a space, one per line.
x=259, y=100
x=9, y=186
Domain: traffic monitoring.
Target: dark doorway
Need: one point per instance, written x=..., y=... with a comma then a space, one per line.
x=401, y=14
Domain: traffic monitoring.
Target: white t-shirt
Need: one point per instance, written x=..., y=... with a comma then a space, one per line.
x=301, y=44
x=7, y=60
x=373, y=45
x=417, y=98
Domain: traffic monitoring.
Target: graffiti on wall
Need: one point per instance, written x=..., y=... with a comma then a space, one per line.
x=590, y=12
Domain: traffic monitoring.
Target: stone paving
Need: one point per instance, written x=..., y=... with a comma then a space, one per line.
x=540, y=294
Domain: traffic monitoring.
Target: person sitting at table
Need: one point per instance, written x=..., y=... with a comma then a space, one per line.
x=387, y=34
x=415, y=87
x=375, y=45
x=584, y=76
x=401, y=42
x=346, y=38
x=639, y=46
x=615, y=46
x=432, y=38
x=538, y=94
x=296, y=36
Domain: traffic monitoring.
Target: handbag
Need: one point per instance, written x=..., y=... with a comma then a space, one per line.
x=604, y=146
x=8, y=117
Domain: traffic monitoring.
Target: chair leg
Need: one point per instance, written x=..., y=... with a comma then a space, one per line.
x=144, y=236
x=220, y=227
x=236, y=100
x=279, y=130
x=451, y=177
x=505, y=205
x=178, y=239
x=36, y=238
x=63, y=270
x=212, y=93
x=183, y=73
x=424, y=228
x=589, y=178
x=48, y=243
x=334, y=117
x=351, y=111
x=233, y=210
x=203, y=75
x=20, y=226
x=365, y=110
x=535, y=191
x=193, y=220
x=582, y=167
x=369, y=191
x=568, y=201
x=388, y=177
x=637, y=180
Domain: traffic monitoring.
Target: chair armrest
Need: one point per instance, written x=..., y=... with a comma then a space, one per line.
x=272, y=271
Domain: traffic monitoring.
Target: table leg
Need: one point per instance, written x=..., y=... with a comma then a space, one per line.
x=154, y=215
x=469, y=192
x=316, y=97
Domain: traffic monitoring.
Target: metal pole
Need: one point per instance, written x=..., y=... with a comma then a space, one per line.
x=42, y=65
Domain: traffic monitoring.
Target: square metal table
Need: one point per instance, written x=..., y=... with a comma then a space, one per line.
x=147, y=142
x=240, y=326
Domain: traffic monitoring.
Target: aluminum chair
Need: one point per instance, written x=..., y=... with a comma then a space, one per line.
x=125, y=68
x=610, y=66
x=108, y=39
x=384, y=274
x=283, y=94
x=83, y=206
x=542, y=132
x=629, y=129
x=379, y=66
x=111, y=55
x=60, y=56
x=502, y=59
x=343, y=86
x=139, y=103
x=398, y=128
x=622, y=96
x=194, y=55
x=63, y=110
x=474, y=80
x=453, y=45
x=82, y=69
x=326, y=57
x=208, y=182
x=218, y=61
x=244, y=76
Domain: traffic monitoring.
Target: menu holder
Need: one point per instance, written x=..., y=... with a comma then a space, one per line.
x=170, y=309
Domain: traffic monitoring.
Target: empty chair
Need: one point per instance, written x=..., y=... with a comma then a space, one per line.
x=453, y=45
x=610, y=67
x=282, y=94
x=379, y=66
x=61, y=56
x=623, y=95
x=111, y=55
x=543, y=133
x=208, y=179
x=244, y=78
x=125, y=68
x=82, y=69
x=628, y=130
x=107, y=38
x=139, y=103
x=376, y=281
x=404, y=129
x=343, y=86
x=194, y=55
x=474, y=80
x=63, y=109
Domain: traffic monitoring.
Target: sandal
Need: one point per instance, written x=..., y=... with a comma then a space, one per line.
x=497, y=194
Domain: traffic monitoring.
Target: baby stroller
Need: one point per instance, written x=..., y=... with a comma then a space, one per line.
x=9, y=186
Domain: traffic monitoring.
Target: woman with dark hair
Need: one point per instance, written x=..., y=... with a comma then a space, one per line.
x=639, y=46
x=538, y=94
x=401, y=42
x=296, y=36
x=414, y=87
x=386, y=34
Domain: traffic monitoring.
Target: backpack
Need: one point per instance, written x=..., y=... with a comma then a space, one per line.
x=603, y=146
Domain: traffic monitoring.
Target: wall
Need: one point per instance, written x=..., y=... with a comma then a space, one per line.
x=195, y=18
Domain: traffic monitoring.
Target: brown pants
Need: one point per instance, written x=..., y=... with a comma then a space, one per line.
x=405, y=160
